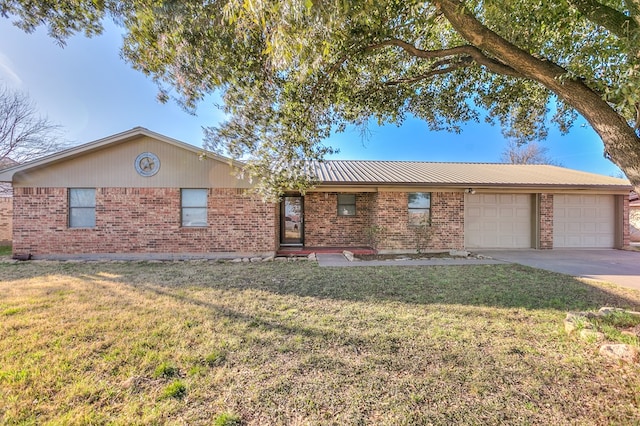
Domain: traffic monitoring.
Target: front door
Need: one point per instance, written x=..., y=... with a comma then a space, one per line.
x=291, y=220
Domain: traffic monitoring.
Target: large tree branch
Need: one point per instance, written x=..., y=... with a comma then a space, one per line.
x=466, y=50
x=466, y=55
x=613, y=20
x=633, y=6
x=441, y=67
x=620, y=140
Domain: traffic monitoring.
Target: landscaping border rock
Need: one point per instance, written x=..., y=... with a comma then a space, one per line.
x=582, y=321
x=620, y=351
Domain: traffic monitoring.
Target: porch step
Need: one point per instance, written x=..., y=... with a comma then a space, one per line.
x=305, y=251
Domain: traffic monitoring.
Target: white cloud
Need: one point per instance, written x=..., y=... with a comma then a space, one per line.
x=7, y=73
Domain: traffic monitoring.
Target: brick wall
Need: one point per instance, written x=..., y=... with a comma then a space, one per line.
x=6, y=220
x=387, y=211
x=324, y=228
x=546, y=221
x=141, y=220
x=626, y=229
x=447, y=222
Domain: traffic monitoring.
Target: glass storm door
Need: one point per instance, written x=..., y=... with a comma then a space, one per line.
x=291, y=220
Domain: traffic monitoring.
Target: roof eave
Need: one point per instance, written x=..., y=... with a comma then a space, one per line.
x=482, y=185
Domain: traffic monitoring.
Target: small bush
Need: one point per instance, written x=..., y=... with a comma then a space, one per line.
x=176, y=389
x=226, y=419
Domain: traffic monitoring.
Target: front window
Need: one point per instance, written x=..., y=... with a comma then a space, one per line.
x=194, y=207
x=419, y=208
x=82, y=208
x=346, y=204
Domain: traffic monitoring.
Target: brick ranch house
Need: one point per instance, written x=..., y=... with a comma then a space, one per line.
x=139, y=192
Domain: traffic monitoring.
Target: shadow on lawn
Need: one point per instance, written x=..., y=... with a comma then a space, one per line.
x=502, y=286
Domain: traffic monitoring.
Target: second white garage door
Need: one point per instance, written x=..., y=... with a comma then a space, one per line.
x=583, y=221
x=497, y=221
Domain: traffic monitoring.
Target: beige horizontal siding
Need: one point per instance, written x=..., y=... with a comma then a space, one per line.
x=113, y=166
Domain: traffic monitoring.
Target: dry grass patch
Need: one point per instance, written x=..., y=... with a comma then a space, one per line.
x=291, y=343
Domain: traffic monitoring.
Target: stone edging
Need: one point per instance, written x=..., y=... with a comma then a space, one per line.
x=581, y=321
x=97, y=259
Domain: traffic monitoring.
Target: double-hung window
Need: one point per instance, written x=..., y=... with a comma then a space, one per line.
x=346, y=204
x=419, y=208
x=194, y=207
x=82, y=207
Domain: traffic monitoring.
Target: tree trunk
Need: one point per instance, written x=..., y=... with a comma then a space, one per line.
x=621, y=143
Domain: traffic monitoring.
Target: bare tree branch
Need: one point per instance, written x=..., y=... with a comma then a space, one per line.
x=530, y=153
x=24, y=135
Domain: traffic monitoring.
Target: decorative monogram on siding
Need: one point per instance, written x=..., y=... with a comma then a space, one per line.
x=147, y=164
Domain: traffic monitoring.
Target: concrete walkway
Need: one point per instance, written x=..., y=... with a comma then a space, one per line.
x=338, y=260
x=616, y=266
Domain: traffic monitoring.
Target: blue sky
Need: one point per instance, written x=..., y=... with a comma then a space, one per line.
x=88, y=89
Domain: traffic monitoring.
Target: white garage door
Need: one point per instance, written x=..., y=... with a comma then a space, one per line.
x=497, y=221
x=583, y=221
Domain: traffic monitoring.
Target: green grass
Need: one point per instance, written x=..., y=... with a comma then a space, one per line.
x=292, y=343
x=226, y=419
x=613, y=325
x=5, y=251
x=165, y=370
x=619, y=319
x=175, y=389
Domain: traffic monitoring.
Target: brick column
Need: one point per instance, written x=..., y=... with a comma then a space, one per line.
x=626, y=238
x=545, y=224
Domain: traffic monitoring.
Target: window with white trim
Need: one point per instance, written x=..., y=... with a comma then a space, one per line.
x=193, y=204
x=82, y=207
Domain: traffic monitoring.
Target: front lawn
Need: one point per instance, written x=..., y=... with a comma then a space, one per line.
x=291, y=343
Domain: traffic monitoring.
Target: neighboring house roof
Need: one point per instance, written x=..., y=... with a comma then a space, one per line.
x=358, y=173
x=459, y=174
x=634, y=200
x=6, y=190
x=7, y=162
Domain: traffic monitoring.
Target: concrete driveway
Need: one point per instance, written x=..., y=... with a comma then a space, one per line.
x=617, y=266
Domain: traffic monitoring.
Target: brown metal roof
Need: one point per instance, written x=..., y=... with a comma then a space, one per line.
x=342, y=172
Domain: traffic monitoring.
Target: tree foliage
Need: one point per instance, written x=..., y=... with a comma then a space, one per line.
x=291, y=72
x=24, y=134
